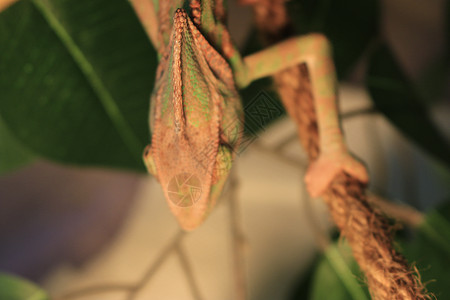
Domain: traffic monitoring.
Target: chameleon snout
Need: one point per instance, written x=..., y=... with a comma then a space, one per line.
x=184, y=189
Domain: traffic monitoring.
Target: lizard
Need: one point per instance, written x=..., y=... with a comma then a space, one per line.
x=196, y=115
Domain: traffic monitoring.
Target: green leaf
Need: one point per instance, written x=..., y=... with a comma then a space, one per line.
x=395, y=97
x=350, y=25
x=430, y=250
x=302, y=288
x=76, y=78
x=15, y=288
x=337, y=276
x=437, y=230
x=12, y=154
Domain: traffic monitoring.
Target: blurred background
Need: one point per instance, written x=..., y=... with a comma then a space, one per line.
x=68, y=226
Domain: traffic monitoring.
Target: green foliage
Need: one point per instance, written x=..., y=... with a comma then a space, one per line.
x=336, y=272
x=15, y=288
x=75, y=80
x=12, y=154
x=337, y=275
x=430, y=249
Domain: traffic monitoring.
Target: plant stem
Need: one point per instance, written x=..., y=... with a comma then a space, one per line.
x=238, y=240
x=187, y=269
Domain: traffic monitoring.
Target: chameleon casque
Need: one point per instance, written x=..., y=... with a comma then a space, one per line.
x=196, y=113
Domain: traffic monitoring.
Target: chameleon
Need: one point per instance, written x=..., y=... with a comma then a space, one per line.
x=196, y=115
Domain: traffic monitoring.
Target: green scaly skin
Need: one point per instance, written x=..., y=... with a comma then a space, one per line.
x=196, y=114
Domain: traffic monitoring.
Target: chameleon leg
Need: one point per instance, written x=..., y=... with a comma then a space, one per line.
x=314, y=50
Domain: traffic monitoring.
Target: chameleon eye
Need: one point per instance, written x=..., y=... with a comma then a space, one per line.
x=222, y=167
x=147, y=150
x=149, y=162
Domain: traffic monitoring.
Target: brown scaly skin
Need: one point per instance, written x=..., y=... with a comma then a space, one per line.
x=194, y=98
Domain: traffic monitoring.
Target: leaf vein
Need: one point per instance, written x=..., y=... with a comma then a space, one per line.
x=104, y=96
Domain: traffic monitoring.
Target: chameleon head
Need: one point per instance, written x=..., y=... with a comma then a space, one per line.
x=191, y=185
x=195, y=120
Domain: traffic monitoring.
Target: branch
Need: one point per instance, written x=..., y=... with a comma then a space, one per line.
x=401, y=212
x=238, y=240
x=320, y=234
x=187, y=269
x=164, y=254
x=99, y=289
x=280, y=155
x=359, y=112
x=131, y=288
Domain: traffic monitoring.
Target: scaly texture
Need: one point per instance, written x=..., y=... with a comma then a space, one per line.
x=367, y=231
x=195, y=116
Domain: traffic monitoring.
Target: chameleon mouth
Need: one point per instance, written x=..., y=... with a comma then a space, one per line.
x=184, y=189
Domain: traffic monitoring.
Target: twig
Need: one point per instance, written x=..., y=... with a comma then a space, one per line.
x=286, y=141
x=238, y=240
x=187, y=269
x=132, y=288
x=156, y=264
x=358, y=112
x=280, y=155
x=320, y=235
x=401, y=212
x=105, y=288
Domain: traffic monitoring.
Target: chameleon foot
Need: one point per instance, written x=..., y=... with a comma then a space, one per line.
x=322, y=171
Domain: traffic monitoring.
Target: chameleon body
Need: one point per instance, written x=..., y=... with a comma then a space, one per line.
x=196, y=114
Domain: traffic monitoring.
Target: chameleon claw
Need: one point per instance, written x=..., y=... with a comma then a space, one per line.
x=321, y=172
